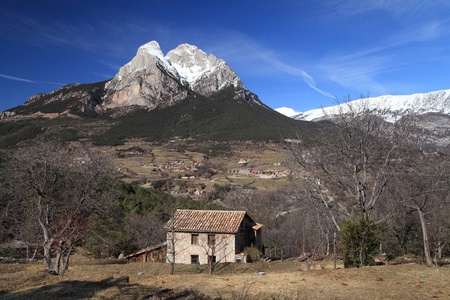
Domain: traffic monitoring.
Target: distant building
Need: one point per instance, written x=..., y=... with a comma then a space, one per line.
x=243, y=161
x=203, y=235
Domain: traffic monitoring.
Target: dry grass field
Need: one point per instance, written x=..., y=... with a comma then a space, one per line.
x=281, y=280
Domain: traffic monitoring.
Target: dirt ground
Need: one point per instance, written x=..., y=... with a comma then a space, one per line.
x=281, y=280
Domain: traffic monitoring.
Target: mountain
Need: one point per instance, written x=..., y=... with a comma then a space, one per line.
x=432, y=111
x=391, y=108
x=185, y=93
x=153, y=80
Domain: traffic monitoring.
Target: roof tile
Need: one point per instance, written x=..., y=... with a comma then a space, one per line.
x=214, y=221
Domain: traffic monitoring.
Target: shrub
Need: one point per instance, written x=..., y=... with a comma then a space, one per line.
x=360, y=240
x=253, y=253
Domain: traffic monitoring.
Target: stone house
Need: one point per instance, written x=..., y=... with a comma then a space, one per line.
x=199, y=236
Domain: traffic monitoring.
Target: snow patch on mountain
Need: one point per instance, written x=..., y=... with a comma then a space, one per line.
x=287, y=111
x=191, y=62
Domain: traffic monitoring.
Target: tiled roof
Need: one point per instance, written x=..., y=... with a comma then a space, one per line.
x=214, y=221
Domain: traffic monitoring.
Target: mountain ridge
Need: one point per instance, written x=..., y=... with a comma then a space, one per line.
x=431, y=111
x=390, y=107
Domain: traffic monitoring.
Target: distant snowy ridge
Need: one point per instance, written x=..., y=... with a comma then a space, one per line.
x=391, y=107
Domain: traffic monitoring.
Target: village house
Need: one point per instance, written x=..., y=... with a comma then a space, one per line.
x=199, y=236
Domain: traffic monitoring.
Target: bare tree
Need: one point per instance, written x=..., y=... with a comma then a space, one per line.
x=64, y=187
x=351, y=161
x=175, y=244
x=217, y=248
x=400, y=224
x=423, y=187
x=175, y=241
x=145, y=230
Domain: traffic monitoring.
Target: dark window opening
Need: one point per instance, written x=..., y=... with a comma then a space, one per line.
x=211, y=239
x=194, y=260
x=194, y=239
x=211, y=259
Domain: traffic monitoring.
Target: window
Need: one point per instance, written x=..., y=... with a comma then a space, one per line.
x=194, y=239
x=155, y=254
x=194, y=260
x=211, y=259
x=211, y=239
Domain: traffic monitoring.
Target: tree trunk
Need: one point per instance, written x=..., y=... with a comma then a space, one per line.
x=328, y=244
x=57, y=261
x=210, y=259
x=47, y=255
x=426, y=245
x=66, y=261
x=34, y=253
x=402, y=243
x=172, y=267
x=439, y=250
x=334, y=250
x=47, y=240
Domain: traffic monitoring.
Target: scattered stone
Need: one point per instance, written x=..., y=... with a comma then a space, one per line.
x=124, y=279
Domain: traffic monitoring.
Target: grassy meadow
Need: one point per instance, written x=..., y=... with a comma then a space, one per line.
x=101, y=279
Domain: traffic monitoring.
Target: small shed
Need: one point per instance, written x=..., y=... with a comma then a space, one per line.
x=156, y=253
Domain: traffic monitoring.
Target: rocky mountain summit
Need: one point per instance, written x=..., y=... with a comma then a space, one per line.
x=152, y=80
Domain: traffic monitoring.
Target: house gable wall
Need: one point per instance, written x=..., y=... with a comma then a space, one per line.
x=223, y=250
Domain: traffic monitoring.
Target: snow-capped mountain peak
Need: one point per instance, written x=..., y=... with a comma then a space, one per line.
x=151, y=79
x=194, y=65
x=152, y=48
x=191, y=62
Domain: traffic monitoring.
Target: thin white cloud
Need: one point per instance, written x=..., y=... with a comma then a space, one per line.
x=395, y=8
x=16, y=78
x=424, y=32
x=308, y=79
x=135, y=26
x=242, y=49
x=9, y=77
x=104, y=75
x=359, y=69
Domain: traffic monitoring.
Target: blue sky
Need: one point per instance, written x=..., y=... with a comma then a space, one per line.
x=298, y=54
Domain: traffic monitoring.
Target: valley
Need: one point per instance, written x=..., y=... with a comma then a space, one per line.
x=196, y=166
